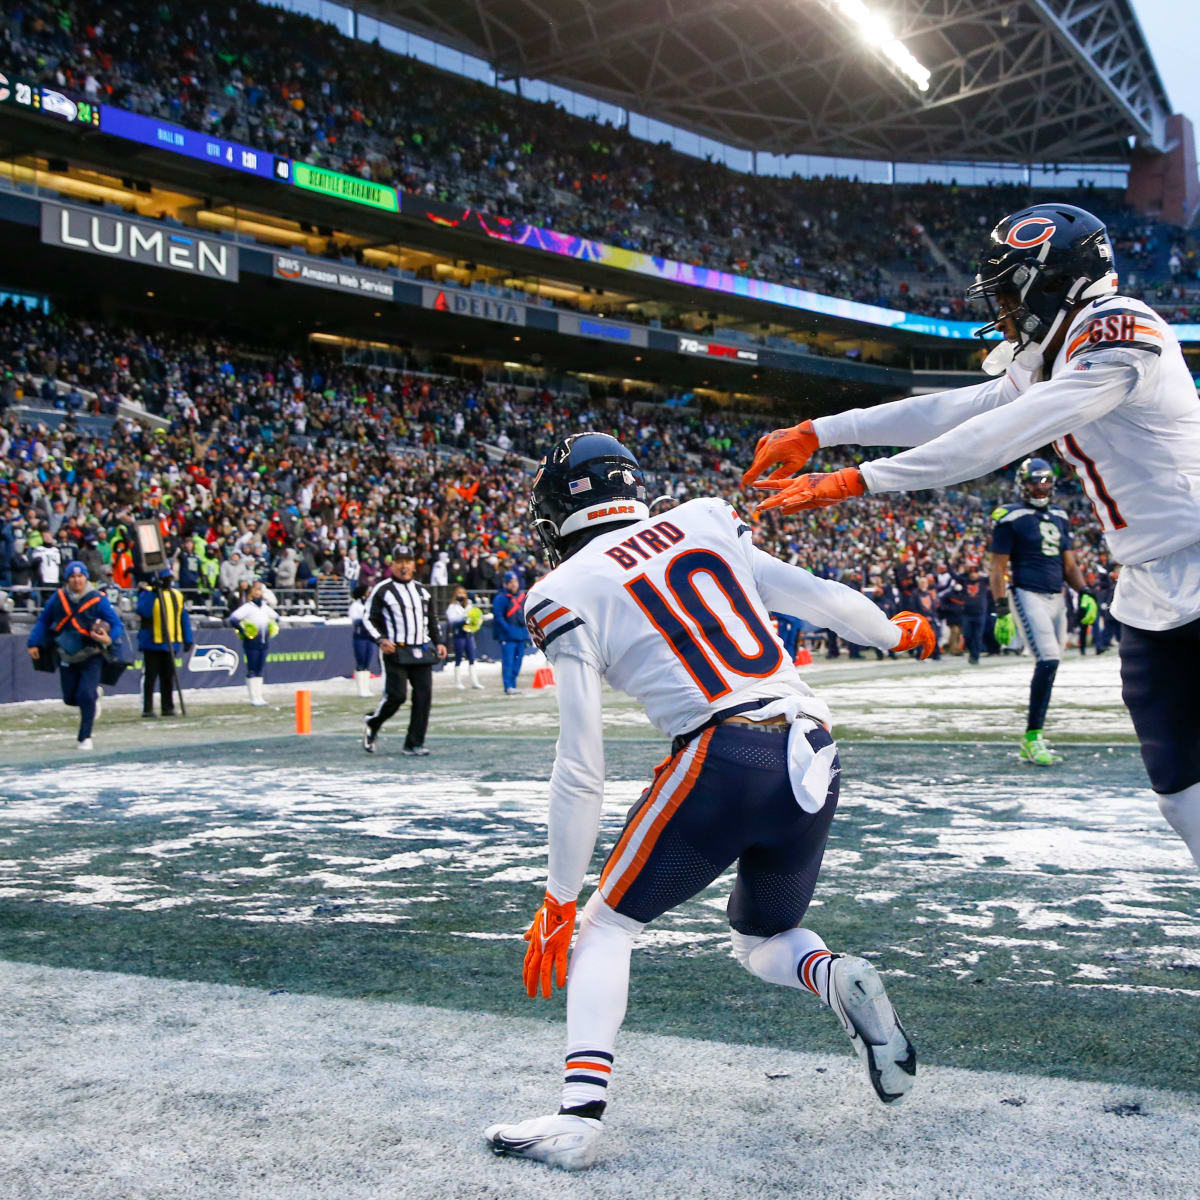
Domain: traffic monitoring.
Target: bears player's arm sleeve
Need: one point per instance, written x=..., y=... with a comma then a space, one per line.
x=560, y=633
x=824, y=602
x=1045, y=412
x=577, y=781
x=914, y=420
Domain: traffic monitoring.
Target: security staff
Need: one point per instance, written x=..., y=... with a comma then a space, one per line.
x=401, y=621
x=166, y=630
x=77, y=625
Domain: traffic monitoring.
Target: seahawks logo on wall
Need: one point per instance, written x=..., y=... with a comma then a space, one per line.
x=213, y=658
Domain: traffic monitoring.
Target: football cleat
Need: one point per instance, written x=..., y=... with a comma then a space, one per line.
x=1035, y=749
x=858, y=998
x=86, y=744
x=561, y=1140
x=368, y=737
x=415, y=751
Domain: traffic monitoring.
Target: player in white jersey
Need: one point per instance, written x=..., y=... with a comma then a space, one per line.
x=674, y=612
x=1102, y=377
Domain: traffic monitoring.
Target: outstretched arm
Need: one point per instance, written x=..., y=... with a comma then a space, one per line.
x=914, y=420
x=1047, y=411
x=824, y=602
x=908, y=422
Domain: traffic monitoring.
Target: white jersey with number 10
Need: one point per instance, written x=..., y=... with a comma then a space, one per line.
x=673, y=611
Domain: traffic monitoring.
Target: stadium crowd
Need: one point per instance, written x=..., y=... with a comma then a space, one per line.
x=294, y=86
x=295, y=468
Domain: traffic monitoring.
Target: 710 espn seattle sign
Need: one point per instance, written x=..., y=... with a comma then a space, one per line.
x=139, y=242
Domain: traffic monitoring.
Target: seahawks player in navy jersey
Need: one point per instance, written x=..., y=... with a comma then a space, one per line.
x=1033, y=540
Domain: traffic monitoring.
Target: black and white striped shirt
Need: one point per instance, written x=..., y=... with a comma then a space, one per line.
x=401, y=613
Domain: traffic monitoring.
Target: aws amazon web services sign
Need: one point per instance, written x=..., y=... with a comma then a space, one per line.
x=138, y=241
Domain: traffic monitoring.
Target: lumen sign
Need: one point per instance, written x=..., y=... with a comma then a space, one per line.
x=139, y=242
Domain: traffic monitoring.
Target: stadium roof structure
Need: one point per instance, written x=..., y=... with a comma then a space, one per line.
x=1022, y=81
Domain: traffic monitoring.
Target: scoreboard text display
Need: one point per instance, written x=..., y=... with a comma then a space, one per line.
x=344, y=187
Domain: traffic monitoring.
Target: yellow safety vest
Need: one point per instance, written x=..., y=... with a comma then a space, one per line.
x=168, y=610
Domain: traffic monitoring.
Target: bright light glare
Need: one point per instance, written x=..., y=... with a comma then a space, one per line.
x=875, y=30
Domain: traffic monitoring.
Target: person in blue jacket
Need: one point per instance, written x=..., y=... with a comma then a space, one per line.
x=790, y=629
x=508, y=624
x=166, y=630
x=79, y=625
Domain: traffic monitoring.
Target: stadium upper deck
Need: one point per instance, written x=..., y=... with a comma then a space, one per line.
x=845, y=271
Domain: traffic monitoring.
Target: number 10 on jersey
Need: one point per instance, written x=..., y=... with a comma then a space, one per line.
x=715, y=642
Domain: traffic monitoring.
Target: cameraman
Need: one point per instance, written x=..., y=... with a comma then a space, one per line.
x=165, y=630
x=77, y=625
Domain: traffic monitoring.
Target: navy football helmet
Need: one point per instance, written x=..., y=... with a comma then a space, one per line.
x=1039, y=263
x=587, y=481
x=1035, y=477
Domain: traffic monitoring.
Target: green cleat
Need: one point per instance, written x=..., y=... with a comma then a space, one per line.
x=1035, y=749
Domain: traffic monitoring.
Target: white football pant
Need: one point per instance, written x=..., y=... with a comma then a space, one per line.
x=1041, y=621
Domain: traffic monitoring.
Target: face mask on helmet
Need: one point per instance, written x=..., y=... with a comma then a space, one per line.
x=1036, y=477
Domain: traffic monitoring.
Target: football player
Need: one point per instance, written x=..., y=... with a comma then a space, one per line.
x=674, y=612
x=1102, y=376
x=1034, y=540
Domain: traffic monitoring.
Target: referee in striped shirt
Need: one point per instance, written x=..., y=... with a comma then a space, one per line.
x=401, y=621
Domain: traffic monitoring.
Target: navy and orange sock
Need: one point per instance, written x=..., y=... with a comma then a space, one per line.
x=585, y=1081
x=813, y=972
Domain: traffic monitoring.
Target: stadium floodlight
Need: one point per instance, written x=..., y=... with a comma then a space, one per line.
x=876, y=31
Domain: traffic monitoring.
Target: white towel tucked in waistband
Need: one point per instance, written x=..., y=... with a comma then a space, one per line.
x=810, y=771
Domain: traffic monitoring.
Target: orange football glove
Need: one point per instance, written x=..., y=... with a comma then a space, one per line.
x=812, y=491
x=791, y=448
x=549, y=938
x=916, y=633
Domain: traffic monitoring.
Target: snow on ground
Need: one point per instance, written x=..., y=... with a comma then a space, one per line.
x=150, y=1088
x=901, y=699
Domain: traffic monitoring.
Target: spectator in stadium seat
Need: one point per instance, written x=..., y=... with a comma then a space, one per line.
x=92, y=557
x=285, y=569
x=122, y=564
x=48, y=559
x=7, y=550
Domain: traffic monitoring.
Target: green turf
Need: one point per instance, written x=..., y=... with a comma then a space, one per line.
x=1031, y=921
